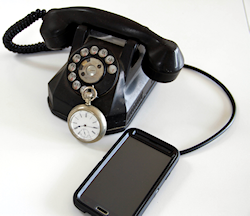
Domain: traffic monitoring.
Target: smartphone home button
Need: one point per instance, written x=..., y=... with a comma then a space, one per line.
x=102, y=210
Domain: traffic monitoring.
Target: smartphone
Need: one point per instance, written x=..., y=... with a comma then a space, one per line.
x=128, y=177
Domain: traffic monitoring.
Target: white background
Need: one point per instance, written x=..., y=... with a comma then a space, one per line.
x=41, y=164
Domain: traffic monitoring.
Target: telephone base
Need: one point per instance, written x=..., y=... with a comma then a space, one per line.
x=135, y=96
x=120, y=93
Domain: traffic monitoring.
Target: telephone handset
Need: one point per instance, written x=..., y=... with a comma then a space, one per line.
x=113, y=65
x=163, y=59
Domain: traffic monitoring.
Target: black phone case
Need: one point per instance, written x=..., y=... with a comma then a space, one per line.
x=143, y=137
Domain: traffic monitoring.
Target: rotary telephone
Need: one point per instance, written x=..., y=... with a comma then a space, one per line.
x=113, y=65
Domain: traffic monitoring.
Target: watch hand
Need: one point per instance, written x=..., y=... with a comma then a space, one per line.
x=85, y=126
x=92, y=127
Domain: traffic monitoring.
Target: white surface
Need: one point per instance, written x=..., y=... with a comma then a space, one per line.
x=246, y=4
x=41, y=164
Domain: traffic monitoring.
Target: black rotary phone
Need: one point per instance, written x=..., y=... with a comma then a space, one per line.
x=119, y=58
x=114, y=63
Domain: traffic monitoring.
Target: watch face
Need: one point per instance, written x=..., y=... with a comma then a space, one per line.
x=87, y=123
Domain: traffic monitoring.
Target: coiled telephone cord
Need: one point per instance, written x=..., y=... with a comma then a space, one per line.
x=20, y=26
x=32, y=17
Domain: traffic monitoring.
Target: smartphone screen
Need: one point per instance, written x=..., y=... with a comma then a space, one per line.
x=128, y=176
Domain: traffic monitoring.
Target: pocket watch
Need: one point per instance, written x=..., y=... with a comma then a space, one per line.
x=86, y=122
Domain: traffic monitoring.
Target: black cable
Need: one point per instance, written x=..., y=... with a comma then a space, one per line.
x=32, y=17
x=226, y=126
x=17, y=28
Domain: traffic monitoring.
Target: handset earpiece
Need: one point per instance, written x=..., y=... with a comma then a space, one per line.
x=163, y=59
x=163, y=62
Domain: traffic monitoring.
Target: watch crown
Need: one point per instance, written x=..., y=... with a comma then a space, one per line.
x=89, y=94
